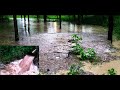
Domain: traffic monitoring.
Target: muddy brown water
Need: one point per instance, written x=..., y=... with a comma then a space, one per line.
x=54, y=46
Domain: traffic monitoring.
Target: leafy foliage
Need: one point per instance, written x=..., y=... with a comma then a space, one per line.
x=112, y=71
x=75, y=70
x=10, y=53
x=78, y=50
x=76, y=38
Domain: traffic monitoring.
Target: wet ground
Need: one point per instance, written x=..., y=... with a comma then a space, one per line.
x=54, y=46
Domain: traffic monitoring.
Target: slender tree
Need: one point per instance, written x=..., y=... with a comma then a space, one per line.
x=38, y=18
x=28, y=20
x=15, y=28
x=45, y=18
x=24, y=17
x=24, y=20
x=78, y=20
x=60, y=21
x=28, y=25
x=21, y=17
x=74, y=18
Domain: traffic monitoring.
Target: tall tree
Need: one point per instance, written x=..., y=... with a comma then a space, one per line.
x=28, y=20
x=24, y=20
x=78, y=20
x=45, y=18
x=24, y=17
x=38, y=18
x=15, y=28
x=110, y=25
x=28, y=25
x=74, y=18
x=60, y=21
x=21, y=17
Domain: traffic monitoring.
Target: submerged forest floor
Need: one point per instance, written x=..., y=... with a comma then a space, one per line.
x=54, y=49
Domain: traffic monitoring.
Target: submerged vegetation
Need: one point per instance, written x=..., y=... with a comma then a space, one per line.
x=112, y=71
x=88, y=54
x=75, y=70
x=8, y=53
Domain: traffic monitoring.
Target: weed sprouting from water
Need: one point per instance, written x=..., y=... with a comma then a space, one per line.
x=112, y=71
x=81, y=53
x=75, y=70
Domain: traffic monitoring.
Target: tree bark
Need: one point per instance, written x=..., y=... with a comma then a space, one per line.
x=74, y=18
x=21, y=17
x=38, y=18
x=28, y=25
x=24, y=18
x=81, y=19
x=28, y=20
x=78, y=20
x=110, y=25
x=45, y=18
x=60, y=21
x=15, y=28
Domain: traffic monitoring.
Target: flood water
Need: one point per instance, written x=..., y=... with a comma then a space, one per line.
x=53, y=42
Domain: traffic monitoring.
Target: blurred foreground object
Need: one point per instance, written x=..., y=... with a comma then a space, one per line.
x=23, y=66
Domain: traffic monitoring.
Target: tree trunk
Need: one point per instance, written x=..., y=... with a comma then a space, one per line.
x=69, y=17
x=60, y=21
x=110, y=25
x=28, y=25
x=74, y=18
x=81, y=19
x=15, y=28
x=78, y=20
x=28, y=20
x=24, y=17
x=38, y=18
x=21, y=17
x=45, y=18
x=24, y=20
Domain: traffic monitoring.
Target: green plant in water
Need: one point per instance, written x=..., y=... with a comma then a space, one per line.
x=90, y=54
x=112, y=71
x=76, y=38
x=75, y=70
x=87, y=55
x=77, y=49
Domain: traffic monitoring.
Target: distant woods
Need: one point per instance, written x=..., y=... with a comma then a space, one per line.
x=101, y=20
x=78, y=19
